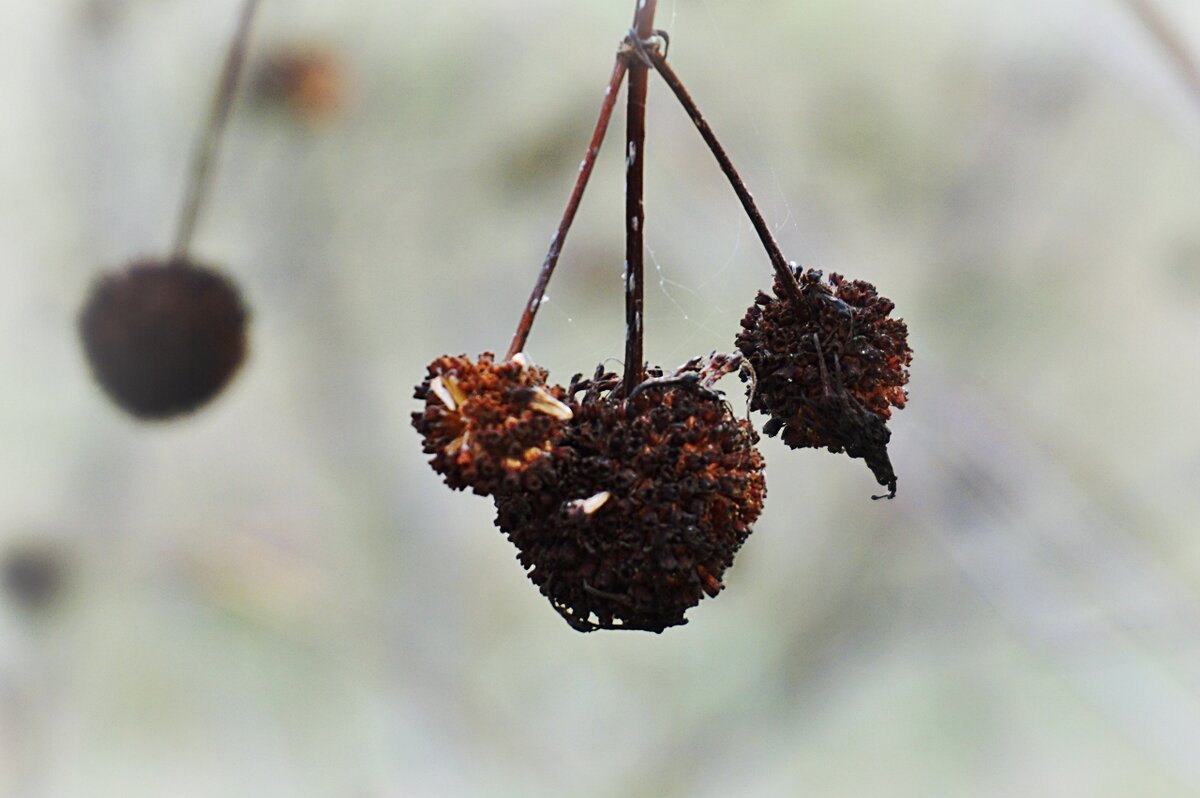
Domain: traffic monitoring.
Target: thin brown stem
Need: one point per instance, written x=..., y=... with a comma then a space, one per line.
x=635, y=213
x=564, y=226
x=200, y=169
x=1173, y=44
x=780, y=264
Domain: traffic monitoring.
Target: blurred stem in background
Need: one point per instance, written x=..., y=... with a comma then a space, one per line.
x=200, y=170
x=1171, y=42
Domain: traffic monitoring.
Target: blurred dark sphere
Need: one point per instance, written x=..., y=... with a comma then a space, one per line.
x=163, y=337
x=33, y=575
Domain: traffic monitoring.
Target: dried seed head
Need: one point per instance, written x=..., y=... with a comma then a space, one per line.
x=828, y=372
x=488, y=425
x=648, y=500
x=163, y=337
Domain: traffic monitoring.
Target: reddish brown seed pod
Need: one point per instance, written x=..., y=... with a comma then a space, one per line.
x=163, y=337
x=488, y=424
x=829, y=369
x=649, y=499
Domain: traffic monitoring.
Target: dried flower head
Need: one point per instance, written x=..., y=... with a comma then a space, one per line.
x=488, y=424
x=163, y=337
x=829, y=371
x=650, y=498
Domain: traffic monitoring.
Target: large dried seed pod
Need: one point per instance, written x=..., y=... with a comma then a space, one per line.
x=650, y=498
x=829, y=370
x=163, y=337
x=488, y=425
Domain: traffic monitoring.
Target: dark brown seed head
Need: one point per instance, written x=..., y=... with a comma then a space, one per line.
x=829, y=371
x=649, y=499
x=163, y=337
x=488, y=425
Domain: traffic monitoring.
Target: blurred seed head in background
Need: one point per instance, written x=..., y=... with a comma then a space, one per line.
x=163, y=337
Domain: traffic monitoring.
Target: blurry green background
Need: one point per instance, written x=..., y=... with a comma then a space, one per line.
x=277, y=597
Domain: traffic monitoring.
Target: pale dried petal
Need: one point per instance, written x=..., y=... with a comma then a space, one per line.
x=452, y=385
x=592, y=503
x=440, y=391
x=543, y=402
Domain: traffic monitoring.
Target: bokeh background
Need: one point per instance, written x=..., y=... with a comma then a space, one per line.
x=276, y=597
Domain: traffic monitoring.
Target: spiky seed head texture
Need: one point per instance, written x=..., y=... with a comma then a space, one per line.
x=488, y=425
x=648, y=500
x=828, y=371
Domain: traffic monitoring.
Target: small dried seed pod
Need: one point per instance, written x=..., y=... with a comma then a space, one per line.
x=163, y=337
x=488, y=424
x=829, y=371
x=649, y=500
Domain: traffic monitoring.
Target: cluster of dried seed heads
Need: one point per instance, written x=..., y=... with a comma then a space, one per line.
x=626, y=510
x=628, y=496
x=162, y=338
x=828, y=369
